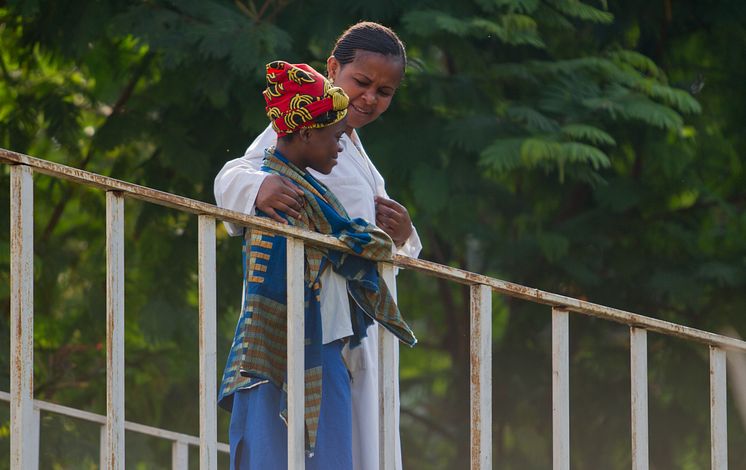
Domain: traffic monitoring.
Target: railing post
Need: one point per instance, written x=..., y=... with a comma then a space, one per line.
x=718, y=410
x=295, y=346
x=208, y=429
x=34, y=444
x=481, y=377
x=22, y=318
x=639, y=386
x=179, y=456
x=560, y=389
x=102, y=448
x=114, y=435
x=388, y=366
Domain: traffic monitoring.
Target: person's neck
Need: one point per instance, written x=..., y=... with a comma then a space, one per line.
x=291, y=153
x=348, y=131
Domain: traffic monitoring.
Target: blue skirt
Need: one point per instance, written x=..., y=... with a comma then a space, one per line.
x=258, y=436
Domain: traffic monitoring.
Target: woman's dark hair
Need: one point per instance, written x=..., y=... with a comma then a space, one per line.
x=371, y=37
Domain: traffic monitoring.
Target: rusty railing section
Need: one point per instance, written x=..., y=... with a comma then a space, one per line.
x=25, y=411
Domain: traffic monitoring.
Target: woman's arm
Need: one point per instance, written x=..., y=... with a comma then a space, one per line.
x=241, y=185
x=394, y=218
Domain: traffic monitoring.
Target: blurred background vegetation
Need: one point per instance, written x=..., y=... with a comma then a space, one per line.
x=590, y=148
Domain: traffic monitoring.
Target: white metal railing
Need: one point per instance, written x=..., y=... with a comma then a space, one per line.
x=25, y=410
x=180, y=442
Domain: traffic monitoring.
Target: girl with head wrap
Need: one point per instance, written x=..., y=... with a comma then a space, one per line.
x=368, y=63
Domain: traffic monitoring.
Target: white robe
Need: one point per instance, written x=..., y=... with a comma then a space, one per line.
x=355, y=181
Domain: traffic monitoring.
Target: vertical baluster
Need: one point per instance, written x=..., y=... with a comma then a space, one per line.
x=102, y=448
x=208, y=429
x=560, y=389
x=179, y=456
x=21, y=318
x=639, y=385
x=295, y=346
x=481, y=377
x=718, y=410
x=388, y=366
x=114, y=331
x=34, y=443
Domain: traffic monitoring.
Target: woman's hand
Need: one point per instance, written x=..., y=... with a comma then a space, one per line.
x=277, y=193
x=394, y=219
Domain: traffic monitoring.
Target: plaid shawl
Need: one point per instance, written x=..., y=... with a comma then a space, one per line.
x=259, y=350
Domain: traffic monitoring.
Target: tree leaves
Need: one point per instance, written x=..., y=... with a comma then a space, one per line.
x=588, y=133
x=582, y=11
x=510, y=28
x=625, y=105
x=510, y=154
x=532, y=119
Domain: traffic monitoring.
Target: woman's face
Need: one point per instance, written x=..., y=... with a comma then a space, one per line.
x=370, y=81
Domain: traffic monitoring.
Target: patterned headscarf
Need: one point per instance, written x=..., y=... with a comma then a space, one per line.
x=297, y=94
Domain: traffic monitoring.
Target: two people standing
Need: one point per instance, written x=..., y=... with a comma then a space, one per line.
x=368, y=63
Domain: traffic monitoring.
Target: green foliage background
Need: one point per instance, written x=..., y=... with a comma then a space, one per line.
x=593, y=149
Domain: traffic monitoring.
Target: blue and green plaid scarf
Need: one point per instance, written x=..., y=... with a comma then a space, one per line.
x=259, y=351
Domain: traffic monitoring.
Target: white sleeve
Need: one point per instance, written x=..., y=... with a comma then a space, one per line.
x=237, y=184
x=413, y=246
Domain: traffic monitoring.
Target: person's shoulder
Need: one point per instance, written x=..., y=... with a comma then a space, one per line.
x=266, y=139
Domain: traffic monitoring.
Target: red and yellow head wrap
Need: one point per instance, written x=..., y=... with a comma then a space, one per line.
x=297, y=94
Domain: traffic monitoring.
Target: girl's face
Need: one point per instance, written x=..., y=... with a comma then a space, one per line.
x=370, y=81
x=321, y=146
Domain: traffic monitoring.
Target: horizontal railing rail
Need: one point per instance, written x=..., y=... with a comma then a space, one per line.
x=179, y=441
x=462, y=276
x=482, y=287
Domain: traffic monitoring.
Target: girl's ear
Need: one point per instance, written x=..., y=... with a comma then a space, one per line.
x=305, y=134
x=332, y=67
